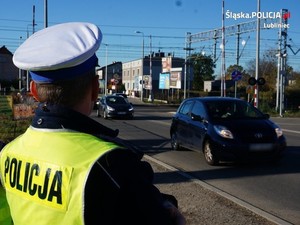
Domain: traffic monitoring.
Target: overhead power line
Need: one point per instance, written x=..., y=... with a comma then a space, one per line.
x=229, y=30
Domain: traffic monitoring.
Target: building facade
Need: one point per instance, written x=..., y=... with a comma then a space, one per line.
x=143, y=76
x=112, y=74
x=8, y=71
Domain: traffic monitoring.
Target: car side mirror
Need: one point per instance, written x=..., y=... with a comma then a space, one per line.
x=197, y=117
x=267, y=116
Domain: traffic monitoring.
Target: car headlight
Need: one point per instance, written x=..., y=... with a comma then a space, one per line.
x=110, y=108
x=223, y=132
x=279, y=132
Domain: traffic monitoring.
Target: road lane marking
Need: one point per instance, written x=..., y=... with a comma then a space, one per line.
x=291, y=131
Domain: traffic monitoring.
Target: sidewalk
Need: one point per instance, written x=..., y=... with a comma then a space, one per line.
x=202, y=204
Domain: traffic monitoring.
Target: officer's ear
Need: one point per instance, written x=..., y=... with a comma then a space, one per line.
x=33, y=90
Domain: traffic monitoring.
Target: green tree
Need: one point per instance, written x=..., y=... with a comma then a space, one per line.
x=203, y=67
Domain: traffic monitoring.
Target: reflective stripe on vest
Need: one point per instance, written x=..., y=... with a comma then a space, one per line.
x=44, y=173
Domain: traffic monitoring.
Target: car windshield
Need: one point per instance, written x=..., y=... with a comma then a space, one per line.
x=232, y=109
x=115, y=100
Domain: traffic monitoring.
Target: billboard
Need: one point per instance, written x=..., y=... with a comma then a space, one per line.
x=175, y=78
x=166, y=64
x=147, y=82
x=164, y=81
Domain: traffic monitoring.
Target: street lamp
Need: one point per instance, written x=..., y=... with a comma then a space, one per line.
x=143, y=45
x=143, y=54
x=105, y=82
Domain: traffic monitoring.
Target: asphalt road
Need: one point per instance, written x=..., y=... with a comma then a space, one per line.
x=271, y=188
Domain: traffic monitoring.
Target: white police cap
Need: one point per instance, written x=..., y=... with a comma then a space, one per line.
x=59, y=52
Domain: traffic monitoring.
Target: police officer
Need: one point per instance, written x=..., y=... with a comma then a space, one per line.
x=67, y=168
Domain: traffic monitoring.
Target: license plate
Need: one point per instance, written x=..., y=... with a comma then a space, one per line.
x=260, y=147
x=121, y=113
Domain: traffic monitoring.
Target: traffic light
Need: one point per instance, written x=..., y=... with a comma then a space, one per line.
x=260, y=81
x=252, y=81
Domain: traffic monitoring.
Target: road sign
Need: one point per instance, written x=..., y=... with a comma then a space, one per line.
x=249, y=89
x=236, y=75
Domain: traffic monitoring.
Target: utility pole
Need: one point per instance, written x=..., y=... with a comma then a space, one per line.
x=33, y=19
x=106, y=71
x=142, y=66
x=215, y=45
x=150, y=66
x=187, y=61
x=223, y=67
x=33, y=31
x=282, y=56
x=256, y=96
x=20, y=71
x=46, y=12
x=237, y=57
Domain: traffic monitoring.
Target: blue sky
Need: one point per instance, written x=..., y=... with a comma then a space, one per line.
x=167, y=21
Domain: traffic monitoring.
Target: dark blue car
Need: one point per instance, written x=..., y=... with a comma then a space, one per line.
x=115, y=106
x=225, y=129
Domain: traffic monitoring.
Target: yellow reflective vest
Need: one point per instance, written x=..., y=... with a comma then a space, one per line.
x=44, y=174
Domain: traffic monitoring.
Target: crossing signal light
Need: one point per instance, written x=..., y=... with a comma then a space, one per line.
x=260, y=81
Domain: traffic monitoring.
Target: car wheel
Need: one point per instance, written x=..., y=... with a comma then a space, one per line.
x=210, y=158
x=174, y=142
